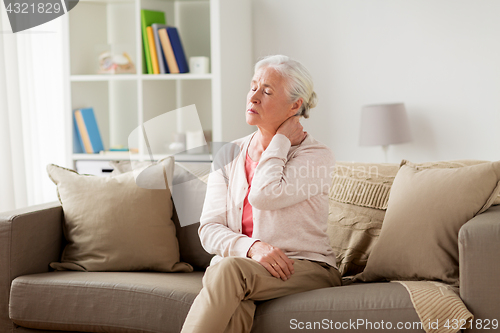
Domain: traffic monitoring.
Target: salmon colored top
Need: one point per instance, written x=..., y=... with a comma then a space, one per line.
x=247, y=218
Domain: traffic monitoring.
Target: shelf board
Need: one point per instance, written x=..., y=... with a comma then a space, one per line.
x=137, y=157
x=183, y=0
x=128, y=77
x=111, y=2
x=187, y=157
x=186, y=76
x=103, y=77
x=108, y=2
x=106, y=157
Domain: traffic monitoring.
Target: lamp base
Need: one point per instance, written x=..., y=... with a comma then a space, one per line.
x=386, y=149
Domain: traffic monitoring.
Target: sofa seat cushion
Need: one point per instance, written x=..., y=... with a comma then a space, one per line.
x=159, y=302
x=104, y=301
x=370, y=302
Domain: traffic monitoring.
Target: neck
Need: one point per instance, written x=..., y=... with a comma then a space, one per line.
x=263, y=138
x=259, y=143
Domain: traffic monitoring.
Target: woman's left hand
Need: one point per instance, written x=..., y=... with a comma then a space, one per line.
x=273, y=259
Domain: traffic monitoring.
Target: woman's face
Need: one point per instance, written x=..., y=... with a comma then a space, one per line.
x=268, y=105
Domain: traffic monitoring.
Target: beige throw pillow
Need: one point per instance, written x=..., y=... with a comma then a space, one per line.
x=453, y=164
x=112, y=224
x=188, y=191
x=426, y=208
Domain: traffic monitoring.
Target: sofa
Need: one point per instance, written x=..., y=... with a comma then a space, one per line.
x=35, y=298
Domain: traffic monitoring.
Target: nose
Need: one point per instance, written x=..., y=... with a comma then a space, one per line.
x=253, y=97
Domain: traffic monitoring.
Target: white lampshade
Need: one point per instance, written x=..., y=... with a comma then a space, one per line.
x=384, y=124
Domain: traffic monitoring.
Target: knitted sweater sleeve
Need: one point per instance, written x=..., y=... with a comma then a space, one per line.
x=215, y=233
x=280, y=182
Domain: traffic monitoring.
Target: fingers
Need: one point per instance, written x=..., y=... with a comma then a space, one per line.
x=290, y=121
x=273, y=259
x=285, y=263
x=276, y=271
x=270, y=268
x=294, y=118
x=292, y=129
x=282, y=269
x=282, y=264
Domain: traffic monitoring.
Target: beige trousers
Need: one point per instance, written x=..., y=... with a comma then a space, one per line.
x=230, y=287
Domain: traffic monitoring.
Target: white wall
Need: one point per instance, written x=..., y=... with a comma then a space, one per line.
x=440, y=57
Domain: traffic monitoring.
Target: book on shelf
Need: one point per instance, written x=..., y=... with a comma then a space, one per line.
x=148, y=17
x=88, y=131
x=77, y=141
x=82, y=134
x=168, y=51
x=152, y=51
x=162, y=61
x=180, y=56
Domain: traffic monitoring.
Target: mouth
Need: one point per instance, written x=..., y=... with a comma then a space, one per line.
x=252, y=111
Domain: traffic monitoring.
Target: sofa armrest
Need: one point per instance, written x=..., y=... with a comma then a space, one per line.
x=30, y=238
x=479, y=255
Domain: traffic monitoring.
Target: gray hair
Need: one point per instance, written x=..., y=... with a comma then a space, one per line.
x=299, y=80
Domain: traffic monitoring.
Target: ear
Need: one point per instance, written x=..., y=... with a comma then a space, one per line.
x=296, y=106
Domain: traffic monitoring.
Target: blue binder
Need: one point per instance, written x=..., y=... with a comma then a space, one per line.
x=92, y=129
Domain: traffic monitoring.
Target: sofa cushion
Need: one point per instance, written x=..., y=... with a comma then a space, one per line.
x=346, y=305
x=112, y=224
x=104, y=301
x=189, y=185
x=158, y=302
x=353, y=232
x=427, y=207
x=363, y=184
x=358, y=199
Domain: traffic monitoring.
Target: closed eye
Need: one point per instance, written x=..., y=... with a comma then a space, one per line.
x=265, y=91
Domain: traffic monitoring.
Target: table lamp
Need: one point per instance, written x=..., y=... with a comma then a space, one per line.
x=384, y=125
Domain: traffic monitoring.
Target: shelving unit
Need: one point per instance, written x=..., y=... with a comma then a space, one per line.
x=218, y=29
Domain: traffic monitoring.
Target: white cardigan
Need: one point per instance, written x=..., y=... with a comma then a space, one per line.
x=289, y=196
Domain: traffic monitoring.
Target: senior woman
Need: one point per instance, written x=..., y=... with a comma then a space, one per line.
x=266, y=207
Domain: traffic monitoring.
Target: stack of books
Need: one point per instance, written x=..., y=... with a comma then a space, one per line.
x=163, y=49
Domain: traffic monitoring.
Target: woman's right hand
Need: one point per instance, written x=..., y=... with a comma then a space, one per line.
x=273, y=259
x=293, y=130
